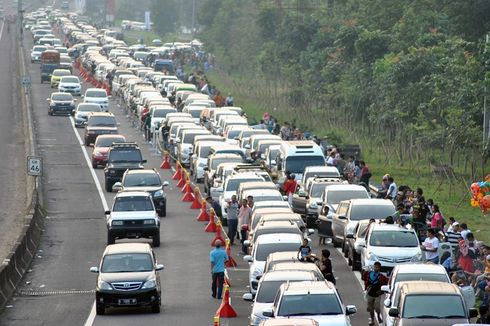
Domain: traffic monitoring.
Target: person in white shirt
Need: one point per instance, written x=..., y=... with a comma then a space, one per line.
x=392, y=189
x=430, y=246
x=464, y=230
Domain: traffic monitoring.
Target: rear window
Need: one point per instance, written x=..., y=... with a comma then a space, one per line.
x=95, y=93
x=365, y=212
x=142, y=180
x=70, y=79
x=88, y=107
x=61, y=97
x=102, y=121
x=264, y=250
x=218, y=161
x=132, y=204
x=108, y=141
x=402, y=277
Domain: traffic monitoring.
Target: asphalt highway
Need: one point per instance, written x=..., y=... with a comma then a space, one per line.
x=59, y=288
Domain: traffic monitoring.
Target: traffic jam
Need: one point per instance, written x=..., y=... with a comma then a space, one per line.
x=273, y=206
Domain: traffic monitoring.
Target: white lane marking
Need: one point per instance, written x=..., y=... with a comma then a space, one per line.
x=91, y=316
x=1, y=28
x=357, y=275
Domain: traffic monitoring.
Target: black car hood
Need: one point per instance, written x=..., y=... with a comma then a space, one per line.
x=127, y=277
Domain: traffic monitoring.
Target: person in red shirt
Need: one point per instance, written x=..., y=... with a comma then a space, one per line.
x=373, y=280
x=289, y=187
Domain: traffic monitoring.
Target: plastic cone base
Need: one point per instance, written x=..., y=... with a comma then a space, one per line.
x=226, y=310
x=165, y=164
x=188, y=197
x=211, y=227
x=203, y=215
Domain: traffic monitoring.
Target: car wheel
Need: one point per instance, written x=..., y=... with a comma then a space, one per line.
x=94, y=164
x=100, y=309
x=344, y=250
x=349, y=258
x=354, y=266
x=108, y=186
x=155, y=308
x=110, y=239
x=335, y=243
x=163, y=210
x=50, y=112
x=156, y=239
x=87, y=142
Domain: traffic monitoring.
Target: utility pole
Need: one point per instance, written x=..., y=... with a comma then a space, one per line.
x=486, y=114
x=20, y=19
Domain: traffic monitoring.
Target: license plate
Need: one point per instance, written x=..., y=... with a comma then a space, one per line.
x=127, y=302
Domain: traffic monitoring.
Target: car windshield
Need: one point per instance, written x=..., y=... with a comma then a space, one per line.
x=265, y=249
x=108, y=141
x=335, y=197
x=365, y=212
x=125, y=263
x=267, y=291
x=422, y=306
x=218, y=161
x=70, y=80
x=259, y=198
x=232, y=134
x=317, y=190
x=233, y=184
x=387, y=238
x=142, y=180
x=39, y=48
x=95, y=94
x=195, y=113
x=162, y=113
x=297, y=164
x=133, y=204
x=321, y=174
x=64, y=59
x=62, y=97
x=189, y=138
x=436, y=277
x=125, y=155
x=83, y=107
x=204, y=151
x=309, y=304
x=102, y=121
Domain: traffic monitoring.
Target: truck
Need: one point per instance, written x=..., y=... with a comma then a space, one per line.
x=50, y=60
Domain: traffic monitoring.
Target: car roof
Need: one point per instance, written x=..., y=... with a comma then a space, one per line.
x=133, y=194
x=321, y=168
x=279, y=225
x=429, y=287
x=335, y=187
x=288, y=276
x=310, y=287
x=295, y=264
x=370, y=201
x=141, y=171
x=101, y=114
x=126, y=248
x=289, y=322
x=111, y=136
x=282, y=255
x=388, y=227
x=279, y=237
x=419, y=268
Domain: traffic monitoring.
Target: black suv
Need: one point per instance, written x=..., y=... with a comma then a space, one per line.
x=121, y=157
x=61, y=103
x=145, y=180
x=99, y=123
x=128, y=277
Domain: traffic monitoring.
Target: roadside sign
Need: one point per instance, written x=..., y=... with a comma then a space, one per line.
x=34, y=166
x=26, y=80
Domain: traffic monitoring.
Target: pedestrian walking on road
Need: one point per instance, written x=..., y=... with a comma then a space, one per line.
x=373, y=280
x=218, y=258
x=289, y=188
x=232, y=217
x=244, y=215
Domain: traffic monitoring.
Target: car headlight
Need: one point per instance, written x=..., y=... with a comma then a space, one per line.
x=104, y=285
x=417, y=257
x=159, y=193
x=256, y=319
x=313, y=205
x=112, y=172
x=149, y=222
x=257, y=271
x=96, y=153
x=150, y=284
x=117, y=222
x=372, y=257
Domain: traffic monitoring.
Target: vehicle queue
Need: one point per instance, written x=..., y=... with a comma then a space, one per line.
x=234, y=161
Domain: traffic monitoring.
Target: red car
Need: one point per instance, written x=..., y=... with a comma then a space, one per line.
x=101, y=147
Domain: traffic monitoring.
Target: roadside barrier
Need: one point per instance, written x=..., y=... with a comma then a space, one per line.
x=231, y=262
x=177, y=174
x=182, y=180
x=216, y=321
x=211, y=227
x=188, y=197
x=187, y=187
x=166, y=163
x=196, y=204
x=219, y=235
x=226, y=310
x=203, y=215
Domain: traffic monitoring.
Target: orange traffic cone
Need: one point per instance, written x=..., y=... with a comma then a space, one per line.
x=216, y=320
x=187, y=185
x=211, y=226
x=188, y=197
x=203, y=215
x=218, y=234
x=166, y=163
x=196, y=204
x=226, y=310
x=182, y=180
x=177, y=173
x=231, y=262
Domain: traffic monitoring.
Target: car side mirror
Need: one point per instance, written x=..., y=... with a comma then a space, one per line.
x=205, y=168
x=246, y=243
x=107, y=212
x=341, y=217
x=268, y=313
x=94, y=269
x=248, y=296
x=47, y=99
x=74, y=100
x=248, y=258
x=385, y=289
x=393, y=312
x=159, y=267
x=349, y=236
x=473, y=312
x=144, y=161
x=350, y=309
x=165, y=184
x=117, y=186
x=301, y=193
x=247, y=146
x=311, y=231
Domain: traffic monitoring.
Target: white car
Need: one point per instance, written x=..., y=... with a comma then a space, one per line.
x=265, y=245
x=70, y=84
x=36, y=52
x=82, y=112
x=158, y=115
x=267, y=289
x=390, y=244
x=98, y=96
x=231, y=185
